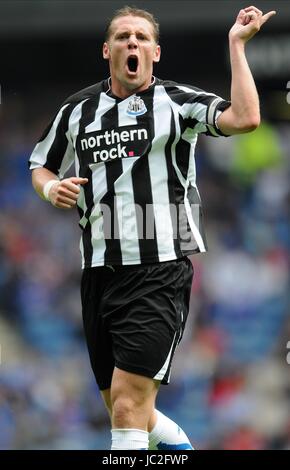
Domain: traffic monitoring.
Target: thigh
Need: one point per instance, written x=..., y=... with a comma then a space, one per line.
x=137, y=387
x=133, y=399
x=99, y=341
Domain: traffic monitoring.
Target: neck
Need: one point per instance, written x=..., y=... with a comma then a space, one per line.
x=118, y=89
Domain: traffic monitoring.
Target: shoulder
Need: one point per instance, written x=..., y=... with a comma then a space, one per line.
x=86, y=93
x=172, y=86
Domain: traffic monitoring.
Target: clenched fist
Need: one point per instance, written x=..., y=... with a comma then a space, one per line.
x=64, y=194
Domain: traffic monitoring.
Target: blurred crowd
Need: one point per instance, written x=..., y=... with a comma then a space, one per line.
x=230, y=386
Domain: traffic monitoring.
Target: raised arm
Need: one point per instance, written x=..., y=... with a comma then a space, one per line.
x=244, y=113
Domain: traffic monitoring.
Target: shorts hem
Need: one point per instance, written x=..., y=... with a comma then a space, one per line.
x=139, y=371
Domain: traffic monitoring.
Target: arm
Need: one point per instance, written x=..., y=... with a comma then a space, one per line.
x=63, y=194
x=244, y=114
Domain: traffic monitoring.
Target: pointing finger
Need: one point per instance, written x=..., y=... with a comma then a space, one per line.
x=267, y=16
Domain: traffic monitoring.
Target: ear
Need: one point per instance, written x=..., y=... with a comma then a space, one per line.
x=106, y=51
x=157, y=54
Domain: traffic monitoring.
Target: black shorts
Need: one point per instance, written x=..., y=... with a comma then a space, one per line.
x=134, y=317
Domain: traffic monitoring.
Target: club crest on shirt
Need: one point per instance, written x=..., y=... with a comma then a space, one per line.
x=136, y=106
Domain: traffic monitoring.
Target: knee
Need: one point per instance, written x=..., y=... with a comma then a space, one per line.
x=123, y=410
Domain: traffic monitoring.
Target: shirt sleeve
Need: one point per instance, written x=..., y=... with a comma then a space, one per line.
x=200, y=111
x=54, y=149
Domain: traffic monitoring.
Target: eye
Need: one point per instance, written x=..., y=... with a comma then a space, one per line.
x=122, y=36
x=141, y=37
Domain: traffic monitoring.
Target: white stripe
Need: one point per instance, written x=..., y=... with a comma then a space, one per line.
x=81, y=247
x=126, y=207
x=159, y=174
x=193, y=92
x=180, y=334
x=211, y=110
x=99, y=183
x=198, y=110
x=73, y=126
x=163, y=370
x=105, y=104
x=195, y=111
x=193, y=221
x=67, y=161
x=99, y=186
x=193, y=227
x=185, y=184
x=74, y=122
x=191, y=174
x=38, y=157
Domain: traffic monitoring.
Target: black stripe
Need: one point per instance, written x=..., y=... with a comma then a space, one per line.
x=222, y=106
x=207, y=111
x=143, y=191
x=187, y=242
x=183, y=151
x=181, y=97
x=194, y=199
x=182, y=160
x=191, y=123
x=181, y=311
x=182, y=156
x=87, y=93
x=113, y=251
x=172, y=178
x=187, y=122
x=88, y=115
x=59, y=146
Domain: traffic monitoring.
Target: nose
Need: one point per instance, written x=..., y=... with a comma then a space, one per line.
x=132, y=42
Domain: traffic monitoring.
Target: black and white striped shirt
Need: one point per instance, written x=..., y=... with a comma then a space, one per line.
x=141, y=204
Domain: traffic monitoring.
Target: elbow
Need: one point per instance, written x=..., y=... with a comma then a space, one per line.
x=250, y=124
x=254, y=123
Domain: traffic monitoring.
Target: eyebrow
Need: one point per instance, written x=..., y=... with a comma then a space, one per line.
x=127, y=31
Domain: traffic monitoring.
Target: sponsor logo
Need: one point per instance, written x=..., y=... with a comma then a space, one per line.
x=109, y=145
x=136, y=107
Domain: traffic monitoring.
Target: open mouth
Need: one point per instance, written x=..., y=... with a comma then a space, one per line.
x=132, y=63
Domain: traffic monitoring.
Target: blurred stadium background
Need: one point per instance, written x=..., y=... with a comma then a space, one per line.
x=230, y=385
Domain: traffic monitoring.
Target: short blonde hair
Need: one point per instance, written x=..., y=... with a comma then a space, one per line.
x=132, y=11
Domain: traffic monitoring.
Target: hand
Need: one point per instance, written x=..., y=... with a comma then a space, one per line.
x=64, y=194
x=248, y=23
